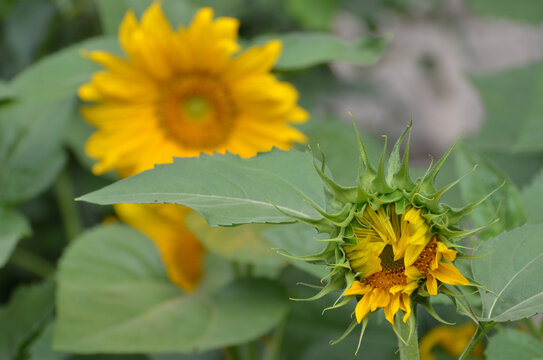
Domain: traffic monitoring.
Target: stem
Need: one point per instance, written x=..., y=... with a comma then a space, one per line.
x=530, y=326
x=273, y=352
x=482, y=329
x=67, y=206
x=408, y=341
x=31, y=263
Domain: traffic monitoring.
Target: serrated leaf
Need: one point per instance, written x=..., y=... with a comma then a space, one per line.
x=114, y=296
x=28, y=308
x=483, y=181
x=59, y=75
x=244, y=243
x=510, y=344
x=305, y=49
x=510, y=266
x=531, y=198
x=31, y=151
x=13, y=227
x=227, y=189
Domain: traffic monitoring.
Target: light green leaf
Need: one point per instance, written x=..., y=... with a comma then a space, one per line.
x=244, y=243
x=510, y=267
x=28, y=309
x=524, y=10
x=114, y=296
x=227, y=189
x=59, y=75
x=13, y=227
x=306, y=49
x=532, y=196
x=298, y=240
x=510, y=344
x=511, y=115
x=30, y=148
x=483, y=181
x=314, y=15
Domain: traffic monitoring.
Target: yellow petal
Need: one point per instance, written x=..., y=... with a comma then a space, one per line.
x=449, y=274
x=181, y=252
x=363, y=307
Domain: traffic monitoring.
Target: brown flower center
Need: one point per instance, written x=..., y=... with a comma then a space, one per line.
x=197, y=112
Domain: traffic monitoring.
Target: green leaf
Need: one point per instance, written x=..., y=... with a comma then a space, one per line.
x=510, y=268
x=298, y=240
x=227, y=189
x=59, y=75
x=525, y=10
x=531, y=198
x=40, y=349
x=314, y=15
x=114, y=296
x=30, y=148
x=244, y=243
x=483, y=181
x=5, y=90
x=27, y=310
x=511, y=115
x=510, y=344
x=306, y=49
x=13, y=227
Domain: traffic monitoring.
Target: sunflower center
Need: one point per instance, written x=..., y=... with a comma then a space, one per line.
x=387, y=260
x=197, y=112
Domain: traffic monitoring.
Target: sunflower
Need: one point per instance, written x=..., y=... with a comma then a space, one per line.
x=186, y=92
x=453, y=340
x=393, y=254
x=182, y=93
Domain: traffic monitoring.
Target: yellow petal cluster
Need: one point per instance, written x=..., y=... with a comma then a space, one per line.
x=451, y=339
x=392, y=254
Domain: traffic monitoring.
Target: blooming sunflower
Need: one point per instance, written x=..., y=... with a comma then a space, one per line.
x=184, y=92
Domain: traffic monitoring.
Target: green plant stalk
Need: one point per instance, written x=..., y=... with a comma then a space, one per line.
x=532, y=329
x=482, y=329
x=408, y=340
x=273, y=352
x=68, y=209
x=31, y=263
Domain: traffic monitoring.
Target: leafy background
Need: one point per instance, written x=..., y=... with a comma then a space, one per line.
x=473, y=67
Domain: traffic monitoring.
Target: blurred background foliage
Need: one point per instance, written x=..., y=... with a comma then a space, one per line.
x=472, y=68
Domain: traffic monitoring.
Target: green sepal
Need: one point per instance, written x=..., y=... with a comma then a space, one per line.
x=322, y=225
x=368, y=173
x=335, y=284
x=428, y=184
x=362, y=331
x=401, y=179
x=425, y=302
x=379, y=182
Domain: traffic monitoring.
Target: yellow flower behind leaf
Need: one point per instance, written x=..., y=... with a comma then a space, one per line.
x=181, y=252
x=182, y=93
x=186, y=92
x=453, y=340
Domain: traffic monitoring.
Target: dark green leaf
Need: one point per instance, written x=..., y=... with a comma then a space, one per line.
x=12, y=228
x=524, y=10
x=30, y=148
x=114, y=296
x=510, y=266
x=512, y=116
x=483, y=181
x=510, y=344
x=40, y=349
x=28, y=309
x=59, y=75
x=227, y=189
